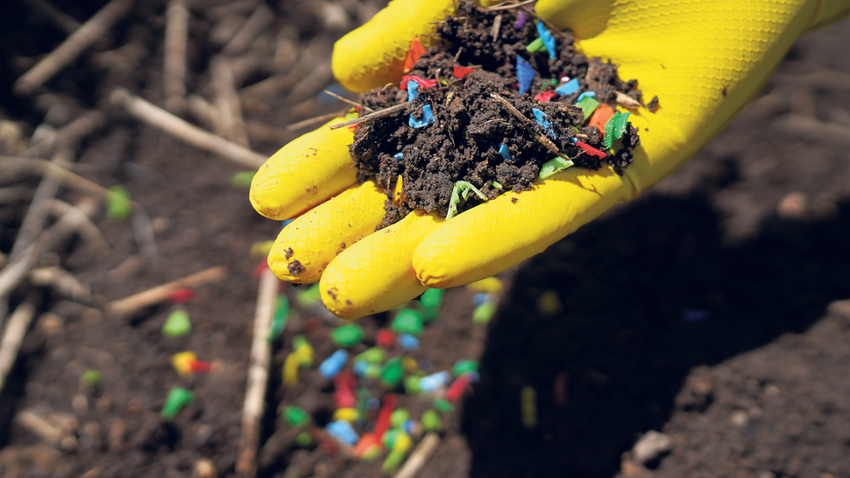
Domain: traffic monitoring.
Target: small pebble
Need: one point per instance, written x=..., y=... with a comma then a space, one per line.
x=652, y=445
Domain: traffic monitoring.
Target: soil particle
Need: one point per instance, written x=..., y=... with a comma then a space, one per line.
x=289, y=252
x=295, y=267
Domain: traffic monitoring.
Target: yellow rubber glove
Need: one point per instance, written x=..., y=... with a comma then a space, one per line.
x=704, y=60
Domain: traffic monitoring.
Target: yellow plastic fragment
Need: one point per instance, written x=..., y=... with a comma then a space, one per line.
x=317, y=236
x=490, y=285
x=290, y=370
x=261, y=249
x=304, y=173
x=350, y=415
x=375, y=274
x=182, y=362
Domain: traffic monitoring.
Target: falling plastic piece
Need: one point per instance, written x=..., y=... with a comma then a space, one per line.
x=382, y=424
x=391, y=373
x=588, y=105
x=457, y=388
x=398, y=417
x=290, y=370
x=408, y=342
x=413, y=54
x=568, y=88
x=461, y=71
x=375, y=355
x=431, y=382
x=536, y=45
x=411, y=385
x=384, y=338
x=177, y=324
x=304, y=351
x=542, y=121
x=295, y=416
x=187, y=363
x=348, y=335
x=281, y=313
x=430, y=421
x=343, y=432
x=520, y=21
x=443, y=406
x=407, y=321
x=309, y=297
x=483, y=313
x=330, y=367
x=261, y=248
x=344, y=384
x=464, y=366
x=615, y=127
x=589, y=150
x=525, y=74
x=368, y=448
x=528, y=397
x=430, y=302
x=547, y=38
x=91, y=378
x=424, y=84
x=119, y=204
x=554, y=165
x=177, y=399
x=402, y=445
x=427, y=118
x=181, y=296
x=544, y=96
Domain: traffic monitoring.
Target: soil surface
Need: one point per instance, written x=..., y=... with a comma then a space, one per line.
x=710, y=309
x=474, y=137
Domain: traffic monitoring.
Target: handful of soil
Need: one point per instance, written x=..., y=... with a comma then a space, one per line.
x=485, y=114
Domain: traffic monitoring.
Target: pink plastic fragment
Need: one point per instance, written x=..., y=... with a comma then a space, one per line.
x=421, y=82
x=520, y=21
x=590, y=150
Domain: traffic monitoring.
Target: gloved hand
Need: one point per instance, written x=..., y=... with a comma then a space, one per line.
x=705, y=61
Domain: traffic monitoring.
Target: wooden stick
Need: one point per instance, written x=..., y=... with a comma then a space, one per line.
x=45, y=167
x=540, y=137
x=160, y=293
x=59, y=18
x=374, y=116
x=174, y=65
x=420, y=455
x=258, y=376
x=61, y=280
x=509, y=6
x=346, y=100
x=71, y=48
x=497, y=25
x=204, y=112
x=69, y=135
x=227, y=102
x=85, y=227
x=14, y=334
x=312, y=121
x=259, y=21
x=165, y=121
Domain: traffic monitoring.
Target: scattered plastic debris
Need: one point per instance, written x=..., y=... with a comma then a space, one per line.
x=281, y=313
x=408, y=342
x=177, y=324
x=544, y=96
x=119, y=206
x=547, y=38
x=347, y=335
x=295, y=416
x=91, y=378
x=540, y=116
x=568, y=88
x=408, y=321
x=588, y=149
x=461, y=71
x=178, y=398
x=427, y=118
x=181, y=296
x=588, y=105
x=520, y=21
x=525, y=74
x=187, y=363
x=528, y=398
x=461, y=192
x=553, y=166
x=600, y=117
x=343, y=432
x=413, y=54
x=615, y=127
x=331, y=366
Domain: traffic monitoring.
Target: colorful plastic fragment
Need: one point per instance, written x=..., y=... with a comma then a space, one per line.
x=177, y=324
x=368, y=448
x=528, y=399
x=374, y=355
x=461, y=192
x=590, y=150
x=525, y=74
x=423, y=83
x=411, y=385
x=181, y=296
x=281, y=313
x=178, y=398
x=554, y=165
x=304, y=440
x=382, y=424
x=242, y=179
x=544, y=96
x=392, y=372
x=547, y=38
x=413, y=54
x=398, y=156
x=460, y=71
x=600, y=117
x=434, y=381
x=295, y=416
x=407, y=321
x=118, y=204
x=384, y=338
x=412, y=90
x=348, y=335
x=483, y=313
x=409, y=365
x=520, y=21
x=402, y=445
x=290, y=370
x=343, y=432
x=586, y=94
x=455, y=391
x=398, y=417
x=536, y=45
x=349, y=415
x=91, y=378
x=344, y=384
x=464, y=366
x=443, y=406
x=408, y=342
x=588, y=105
x=304, y=351
x=330, y=367
x=568, y=88
x=261, y=248
x=615, y=127
x=540, y=116
x=427, y=118
x=310, y=296
x=430, y=421
x=187, y=363
x=430, y=302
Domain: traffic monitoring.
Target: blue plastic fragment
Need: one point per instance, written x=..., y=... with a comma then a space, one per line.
x=525, y=74
x=342, y=430
x=427, y=118
x=547, y=38
x=360, y=367
x=568, y=88
x=332, y=364
x=431, y=382
x=542, y=121
x=412, y=90
x=481, y=298
x=398, y=156
x=586, y=94
x=286, y=223
x=503, y=150
x=408, y=342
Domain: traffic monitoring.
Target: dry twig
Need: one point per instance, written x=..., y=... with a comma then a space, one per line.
x=313, y=121
x=232, y=126
x=174, y=63
x=165, y=121
x=516, y=113
x=509, y=6
x=374, y=116
x=14, y=334
x=494, y=33
x=420, y=455
x=346, y=100
x=71, y=48
x=65, y=22
x=160, y=293
x=259, y=21
x=86, y=124
x=258, y=376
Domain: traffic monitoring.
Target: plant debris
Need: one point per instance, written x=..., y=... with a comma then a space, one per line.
x=492, y=115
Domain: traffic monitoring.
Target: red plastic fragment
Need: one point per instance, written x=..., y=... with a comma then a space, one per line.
x=385, y=338
x=461, y=71
x=197, y=366
x=590, y=150
x=424, y=84
x=383, y=422
x=413, y=55
x=455, y=392
x=366, y=442
x=544, y=96
x=343, y=383
x=181, y=295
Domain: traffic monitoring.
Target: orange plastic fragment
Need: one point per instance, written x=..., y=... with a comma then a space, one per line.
x=461, y=71
x=416, y=51
x=600, y=118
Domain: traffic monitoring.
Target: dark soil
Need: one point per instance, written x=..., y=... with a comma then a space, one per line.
x=701, y=310
x=470, y=125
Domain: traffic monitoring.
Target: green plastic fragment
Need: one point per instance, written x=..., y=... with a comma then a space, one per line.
x=177, y=324
x=295, y=416
x=310, y=296
x=392, y=372
x=554, y=165
x=536, y=45
x=119, y=204
x=430, y=421
x=588, y=105
x=375, y=355
x=372, y=372
x=281, y=313
x=553, y=81
x=411, y=385
x=304, y=440
x=178, y=398
x=407, y=321
x=483, y=313
x=465, y=366
x=615, y=127
x=430, y=304
x=389, y=438
x=242, y=179
x=398, y=417
x=460, y=193
x=443, y=406
x=347, y=335
x=91, y=378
